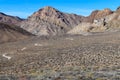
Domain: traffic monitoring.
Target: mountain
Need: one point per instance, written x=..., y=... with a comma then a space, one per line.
x=50, y=21
x=99, y=21
x=110, y=22
x=4, y=18
x=118, y=9
x=99, y=14
x=113, y=21
x=10, y=33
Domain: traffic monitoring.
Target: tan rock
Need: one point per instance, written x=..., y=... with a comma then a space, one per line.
x=50, y=21
x=99, y=14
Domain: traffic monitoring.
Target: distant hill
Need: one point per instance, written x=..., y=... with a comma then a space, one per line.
x=10, y=33
x=99, y=21
x=14, y=20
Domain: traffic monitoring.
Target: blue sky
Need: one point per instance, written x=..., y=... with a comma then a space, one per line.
x=24, y=8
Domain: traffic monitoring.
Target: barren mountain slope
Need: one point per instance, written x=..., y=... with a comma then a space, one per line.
x=10, y=19
x=99, y=21
x=12, y=33
x=99, y=14
x=49, y=21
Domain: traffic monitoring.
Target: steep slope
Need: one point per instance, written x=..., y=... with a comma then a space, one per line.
x=99, y=14
x=118, y=9
x=12, y=33
x=10, y=19
x=99, y=21
x=49, y=21
x=111, y=22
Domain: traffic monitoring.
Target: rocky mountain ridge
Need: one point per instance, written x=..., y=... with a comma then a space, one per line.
x=99, y=14
x=68, y=57
x=49, y=21
x=99, y=21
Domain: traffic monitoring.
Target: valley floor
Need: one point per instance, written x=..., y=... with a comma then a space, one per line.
x=92, y=57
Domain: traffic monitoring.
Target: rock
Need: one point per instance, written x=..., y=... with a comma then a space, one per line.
x=118, y=10
x=82, y=29
x=99, y=14
x=50, y=21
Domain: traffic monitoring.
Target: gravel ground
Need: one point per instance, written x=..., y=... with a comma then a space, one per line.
x=93, y=57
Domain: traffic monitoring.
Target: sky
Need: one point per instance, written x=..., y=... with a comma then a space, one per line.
x=24, y=8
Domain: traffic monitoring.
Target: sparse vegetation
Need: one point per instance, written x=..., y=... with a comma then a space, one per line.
x=94, y=54
x=86, y=58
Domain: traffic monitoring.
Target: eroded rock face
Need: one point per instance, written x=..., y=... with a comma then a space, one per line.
x=118, y=10
x=99, y=14
x=99, y=21
x=10, y=19
x=112, y=21
x=49, y=21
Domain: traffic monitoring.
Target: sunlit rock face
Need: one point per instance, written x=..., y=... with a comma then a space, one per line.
x=99, y=21
x=99, y=14
x=50, y=21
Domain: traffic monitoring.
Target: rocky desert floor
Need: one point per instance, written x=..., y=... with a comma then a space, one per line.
x=90, y=57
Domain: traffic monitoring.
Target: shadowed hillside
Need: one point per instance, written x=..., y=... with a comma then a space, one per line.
x=12, y=33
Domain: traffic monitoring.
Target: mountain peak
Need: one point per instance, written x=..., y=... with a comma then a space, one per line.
x=50, y=21
x=49, y=8
x=46, y=11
